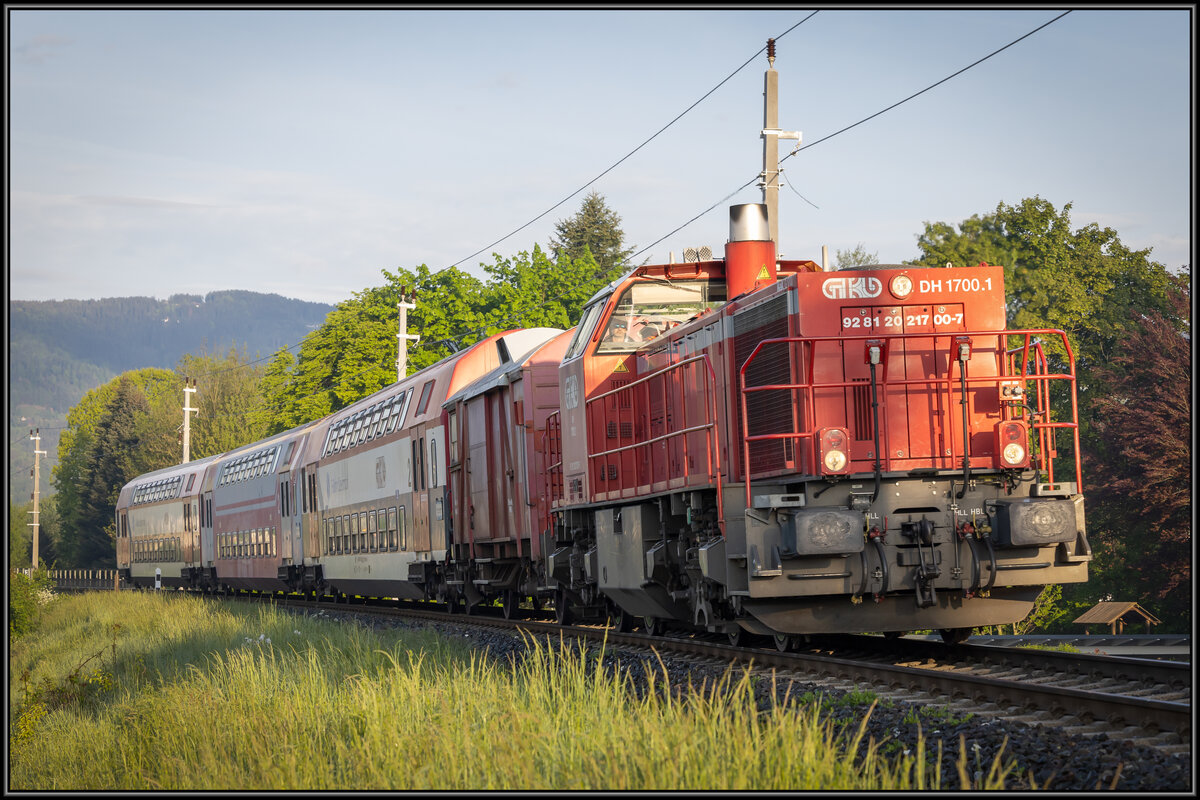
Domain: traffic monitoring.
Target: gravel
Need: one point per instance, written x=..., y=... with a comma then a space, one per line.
x=1047, y=759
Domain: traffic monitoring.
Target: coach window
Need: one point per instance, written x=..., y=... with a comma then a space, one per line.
x=452, y=423
x=394, y=413
x=375, y=418
x=426, y=393
x=345, y=533
x=372, y=533
x=433, y=464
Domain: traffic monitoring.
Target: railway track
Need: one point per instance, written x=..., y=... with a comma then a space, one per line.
x=1146, y=702
x=1141, y=700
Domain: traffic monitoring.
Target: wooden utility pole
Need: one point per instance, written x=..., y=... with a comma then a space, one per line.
x=38, y=452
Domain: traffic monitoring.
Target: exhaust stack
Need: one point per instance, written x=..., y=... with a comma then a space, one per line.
x=749, y=253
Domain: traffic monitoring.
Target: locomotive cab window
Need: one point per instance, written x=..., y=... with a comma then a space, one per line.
x=646, y=310
x=583, y=333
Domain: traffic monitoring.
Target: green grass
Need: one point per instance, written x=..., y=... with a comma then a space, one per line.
x=152, y=691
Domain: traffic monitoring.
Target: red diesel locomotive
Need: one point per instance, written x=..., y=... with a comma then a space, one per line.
x=793, y=451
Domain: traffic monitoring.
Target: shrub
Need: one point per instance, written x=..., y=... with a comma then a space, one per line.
x=26, y=595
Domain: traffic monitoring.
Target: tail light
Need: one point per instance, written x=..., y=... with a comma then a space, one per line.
x=834, y=451
x=1012, y=445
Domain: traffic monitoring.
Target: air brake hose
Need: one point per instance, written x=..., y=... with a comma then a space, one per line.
x=974, y=565
x=883, y=565
x=992, y=555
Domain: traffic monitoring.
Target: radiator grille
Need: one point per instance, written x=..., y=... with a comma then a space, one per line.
x=864, y=426
x=768, y=412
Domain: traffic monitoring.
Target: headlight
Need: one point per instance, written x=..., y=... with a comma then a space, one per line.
x=1012, y=445
x=835, y=451
x=901, y=286
x=835, y=461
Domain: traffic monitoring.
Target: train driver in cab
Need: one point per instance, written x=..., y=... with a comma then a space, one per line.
x=617, y=332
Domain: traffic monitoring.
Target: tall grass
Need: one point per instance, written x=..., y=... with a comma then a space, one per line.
x=189, y=695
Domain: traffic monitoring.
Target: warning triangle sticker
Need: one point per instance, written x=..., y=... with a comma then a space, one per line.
x=621, y=367
x=763, y=275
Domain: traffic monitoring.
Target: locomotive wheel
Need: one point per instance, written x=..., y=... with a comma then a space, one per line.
x=620, y=619
x=955, y=635
x=562, y=611
x=736, y=637
x=652, y=626
x=509, y=603
x=784, y=642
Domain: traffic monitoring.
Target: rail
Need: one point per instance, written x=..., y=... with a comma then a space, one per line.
x=1014, y=370
x=670, y=379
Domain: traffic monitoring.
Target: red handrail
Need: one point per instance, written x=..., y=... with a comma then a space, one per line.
x=1041, y=378
x=709, y=425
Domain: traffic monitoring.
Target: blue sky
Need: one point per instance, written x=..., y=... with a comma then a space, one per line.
x=300, y=152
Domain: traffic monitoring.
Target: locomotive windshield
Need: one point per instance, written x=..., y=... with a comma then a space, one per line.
x=646, y=310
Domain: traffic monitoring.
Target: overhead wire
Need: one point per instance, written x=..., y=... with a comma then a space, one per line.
x=616, y=164
x=822, y=139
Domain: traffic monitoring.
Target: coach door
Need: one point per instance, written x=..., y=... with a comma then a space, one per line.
x=207, y=554
x=123, y=548
x=289, y=527
x=310, y=531
x=420, y=495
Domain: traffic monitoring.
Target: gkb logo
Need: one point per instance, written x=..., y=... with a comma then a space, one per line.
x=841, y=288
x=571, y=391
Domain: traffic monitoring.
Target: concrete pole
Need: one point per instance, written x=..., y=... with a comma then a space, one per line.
x=38, y=452
x=771, y=179
x=402, y=335
x=770, y=137
x=189, y=388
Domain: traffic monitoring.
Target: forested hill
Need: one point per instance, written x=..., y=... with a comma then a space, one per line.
x=58, y=349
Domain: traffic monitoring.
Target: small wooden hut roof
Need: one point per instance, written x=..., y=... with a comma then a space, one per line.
x=1108, y=612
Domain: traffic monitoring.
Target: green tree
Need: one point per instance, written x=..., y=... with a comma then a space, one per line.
x=228, y=391
x=112, y=463
x=276, y=391
x=1101, y=293
x=858, y=257
x=596, y=228
x=1141, y=459
x=19, y=541
x=1082, y=282
x=72, y=477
